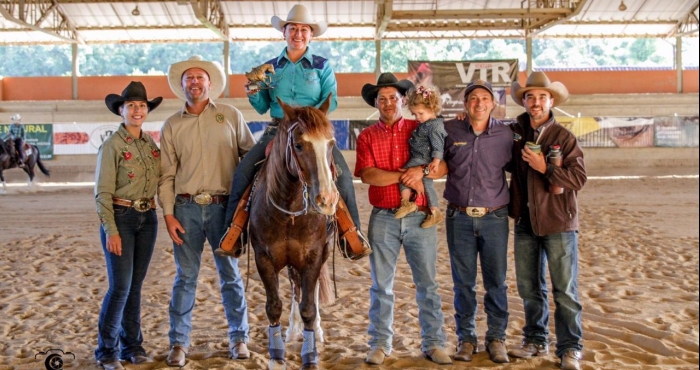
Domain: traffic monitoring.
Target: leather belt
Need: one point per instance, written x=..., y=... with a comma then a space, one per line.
x=475, y=211
x=423, y=209
x=205, y=199
x=141, y=204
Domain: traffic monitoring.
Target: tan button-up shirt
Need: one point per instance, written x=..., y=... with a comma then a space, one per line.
x=199, y=153
x=127, y=168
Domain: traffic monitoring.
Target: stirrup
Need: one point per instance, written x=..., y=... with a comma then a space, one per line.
x=355, y=245
x=230, y=243
x=346, y=249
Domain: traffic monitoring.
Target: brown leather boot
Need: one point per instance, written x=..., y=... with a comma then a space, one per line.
x=353, y=245
x=230, y=244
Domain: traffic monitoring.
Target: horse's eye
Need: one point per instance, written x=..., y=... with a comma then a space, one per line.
x=298, y=146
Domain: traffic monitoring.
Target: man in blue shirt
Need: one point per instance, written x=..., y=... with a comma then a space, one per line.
x=477, y=151
x=300, y=79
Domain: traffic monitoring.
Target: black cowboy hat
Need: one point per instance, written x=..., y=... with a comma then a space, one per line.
x=369, y=91
x=135, y=91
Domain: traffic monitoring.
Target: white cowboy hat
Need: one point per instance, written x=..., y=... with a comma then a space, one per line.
x=16, y=118
x=539, y=81
x=299, y=14
x=213, y=69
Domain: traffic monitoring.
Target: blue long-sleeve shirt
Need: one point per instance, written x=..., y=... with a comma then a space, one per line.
x=304, y=83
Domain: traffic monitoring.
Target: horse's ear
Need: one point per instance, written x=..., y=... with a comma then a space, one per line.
x=326, y=104
x=289, y=112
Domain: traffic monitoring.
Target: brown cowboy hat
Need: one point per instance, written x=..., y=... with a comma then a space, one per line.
x=539, y=81
x=216, y=73
x=300, y=15
x=369, y=91
x=135, y=91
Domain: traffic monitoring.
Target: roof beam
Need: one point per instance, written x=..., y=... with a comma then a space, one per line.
x=689, y=24
x=572, y=9
x=384, y=14
x=34, y=13
x=454, y=14
x=211, y=15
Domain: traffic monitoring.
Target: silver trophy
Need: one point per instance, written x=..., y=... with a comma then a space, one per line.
x=259, y=77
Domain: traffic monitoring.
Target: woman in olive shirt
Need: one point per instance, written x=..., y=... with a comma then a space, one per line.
x=126, y=179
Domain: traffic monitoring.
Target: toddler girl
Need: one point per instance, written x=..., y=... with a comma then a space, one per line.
x=427, y=148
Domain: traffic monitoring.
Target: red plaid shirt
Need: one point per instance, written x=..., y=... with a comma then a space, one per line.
x=385, y=148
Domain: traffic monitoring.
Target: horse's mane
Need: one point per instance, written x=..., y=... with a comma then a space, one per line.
x=310, y=121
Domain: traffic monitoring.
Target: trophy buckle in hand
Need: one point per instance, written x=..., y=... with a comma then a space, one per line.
x=259, y=78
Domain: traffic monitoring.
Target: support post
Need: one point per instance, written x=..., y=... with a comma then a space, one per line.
x=377, y=58
x=74, y=71
x=679, y=64
x=227, y=69
x=528, y=52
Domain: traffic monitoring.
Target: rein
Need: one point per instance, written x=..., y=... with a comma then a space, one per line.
x=292, y=163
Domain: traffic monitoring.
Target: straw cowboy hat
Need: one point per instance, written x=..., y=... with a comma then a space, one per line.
x=539, y=81
x=135, y=91
x=300, y=15
x=369, y=91
x=213, y=69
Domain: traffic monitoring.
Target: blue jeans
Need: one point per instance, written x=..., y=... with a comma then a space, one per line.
x=485, y=238
x=387, y=234
x=119, y=324
x=204, y=223
x=245, y=173
x=560, y=252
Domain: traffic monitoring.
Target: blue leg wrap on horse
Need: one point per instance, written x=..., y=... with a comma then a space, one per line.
x=276, y=343
x=309, y=355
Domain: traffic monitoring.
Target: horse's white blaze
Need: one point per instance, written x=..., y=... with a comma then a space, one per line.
x=325, y=175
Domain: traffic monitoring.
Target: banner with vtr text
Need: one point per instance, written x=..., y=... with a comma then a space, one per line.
x=452, y=77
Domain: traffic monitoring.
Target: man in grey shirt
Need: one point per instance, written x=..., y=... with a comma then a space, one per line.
x=201, y=146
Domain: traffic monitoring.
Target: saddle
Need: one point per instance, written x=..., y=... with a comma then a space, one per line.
x=351, y=244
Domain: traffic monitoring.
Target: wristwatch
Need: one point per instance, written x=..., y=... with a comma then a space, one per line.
x=426, y=171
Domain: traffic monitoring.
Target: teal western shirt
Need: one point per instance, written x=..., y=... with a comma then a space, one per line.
x=303, y=84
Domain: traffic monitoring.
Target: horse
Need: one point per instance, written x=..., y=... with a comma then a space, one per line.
x=8, y=159
x=259, y=73
x=291, y=225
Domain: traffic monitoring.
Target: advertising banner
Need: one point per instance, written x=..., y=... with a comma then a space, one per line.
x=86, y=138
x=39, y=134
x=676, y=131
x=452, y=77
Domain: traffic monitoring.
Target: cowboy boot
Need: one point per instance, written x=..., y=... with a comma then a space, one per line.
x=230, y=244
x=351, y=236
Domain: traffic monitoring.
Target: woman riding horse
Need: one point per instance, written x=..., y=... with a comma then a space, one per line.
x=292, y=207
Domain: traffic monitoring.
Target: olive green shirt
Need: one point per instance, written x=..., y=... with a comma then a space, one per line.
x=200, y=152
x=127, y=168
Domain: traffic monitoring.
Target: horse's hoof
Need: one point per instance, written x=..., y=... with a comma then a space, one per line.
x=276, y=365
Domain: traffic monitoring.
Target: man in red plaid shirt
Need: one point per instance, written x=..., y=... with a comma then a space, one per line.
x=382, y=150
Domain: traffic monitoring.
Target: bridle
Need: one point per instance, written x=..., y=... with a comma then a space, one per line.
x=292, y=163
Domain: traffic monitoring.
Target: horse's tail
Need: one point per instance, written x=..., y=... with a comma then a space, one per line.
x=43, y=168
x=325, y=287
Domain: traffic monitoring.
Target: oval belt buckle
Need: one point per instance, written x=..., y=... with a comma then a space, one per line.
x=203, y=199
x=476, y=211
x=142, y=204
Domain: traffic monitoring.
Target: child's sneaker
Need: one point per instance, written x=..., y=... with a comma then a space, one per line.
x=406, y=207
x=432, y=219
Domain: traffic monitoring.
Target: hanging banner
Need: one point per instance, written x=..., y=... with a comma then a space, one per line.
x=452, y=78
x=39, y=134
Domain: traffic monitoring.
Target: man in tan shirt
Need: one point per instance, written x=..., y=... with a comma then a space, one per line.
x=201, y=146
